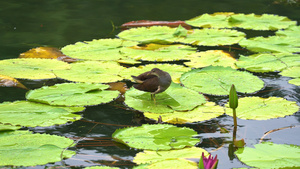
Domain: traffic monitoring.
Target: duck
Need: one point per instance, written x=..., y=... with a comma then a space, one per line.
x=154, y=81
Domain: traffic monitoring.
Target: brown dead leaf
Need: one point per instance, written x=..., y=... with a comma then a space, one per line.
x=47, y=53
x=120, y=86
x=6, y=81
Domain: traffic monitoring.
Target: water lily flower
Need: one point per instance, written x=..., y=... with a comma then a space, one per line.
x=208, y=163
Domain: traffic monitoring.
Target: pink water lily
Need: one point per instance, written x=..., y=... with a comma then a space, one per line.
x=208, y=163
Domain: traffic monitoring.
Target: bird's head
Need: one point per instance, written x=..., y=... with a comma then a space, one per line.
x=155, y=71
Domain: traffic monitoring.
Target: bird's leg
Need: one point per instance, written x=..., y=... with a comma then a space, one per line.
x=153, y=98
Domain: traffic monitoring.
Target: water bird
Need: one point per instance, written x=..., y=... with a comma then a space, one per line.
x=154, y=81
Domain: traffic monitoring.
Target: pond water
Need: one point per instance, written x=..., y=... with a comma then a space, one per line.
x=33, y=23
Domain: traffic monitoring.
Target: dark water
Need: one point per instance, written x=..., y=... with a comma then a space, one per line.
x=33, y=23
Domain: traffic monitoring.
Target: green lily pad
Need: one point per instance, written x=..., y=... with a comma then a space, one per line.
x=155, y=156
x=174, y=70
x=260, y=22
x=26, y=149
x=153, y=34
x=268, y=62
x=170, y=164
x=155, y=52
x=211, y=58
x=257, y=108
x=175, y=98
x=211, y=37
x=270, y=155
x=73, y=94
x=216, y=20
x=156, y=137
x=92, y=72
x=292, y=31
x=291, y=72
x=276, y=44
x=101, y=49
x=30, y=114
x=201, y=113
x=6, y=127
x=101, y=167
x=29, y=68
x=217, y=80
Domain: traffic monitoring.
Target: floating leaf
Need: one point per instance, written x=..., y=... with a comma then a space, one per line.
x=201, y=113
x=46, y=53
x=268, y=62
x=212, y=37
x=7, y=81
x=153, y=34
x=92, y=72
x=216, y=20
x=155, y=156
x=101, y=167
x=101, y=49
x=175, y=70
x=175, y=98
x=6, y=127
x=211, y=58
x=73, y=94
x=295, y=81
x=30, y=114
x=257, y=108
x=292, y=72
x=217, y=80
x=156, y=137
x=31, y=68
x=260, y=22
x=269, y=155
x=172, y=164
x=155, y=52
x=292, y=31
x=279, y=44
x=25, y=149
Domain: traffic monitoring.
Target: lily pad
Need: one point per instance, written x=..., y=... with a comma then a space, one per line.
x=153, y=34
x=101, y=167
x=73, y=94
x=155, y=52
x=101, y=49
x=7, y=127
x=155, y=156
x=174, y=70
x=216, y=20
x=268, y=62
x=175, y=98
x=211, y=37
x=92, y=72
x=217, y=80
x=156, y=137
x=292, y=31
x=30, y=114
x=260, y=22
x=30, y=68
x=279, y=44
x=211, y=58
x=270, y=155
x=170, y=164
x=292, y=72
x=201, y=113
x=20, y=149
x=257, y=108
